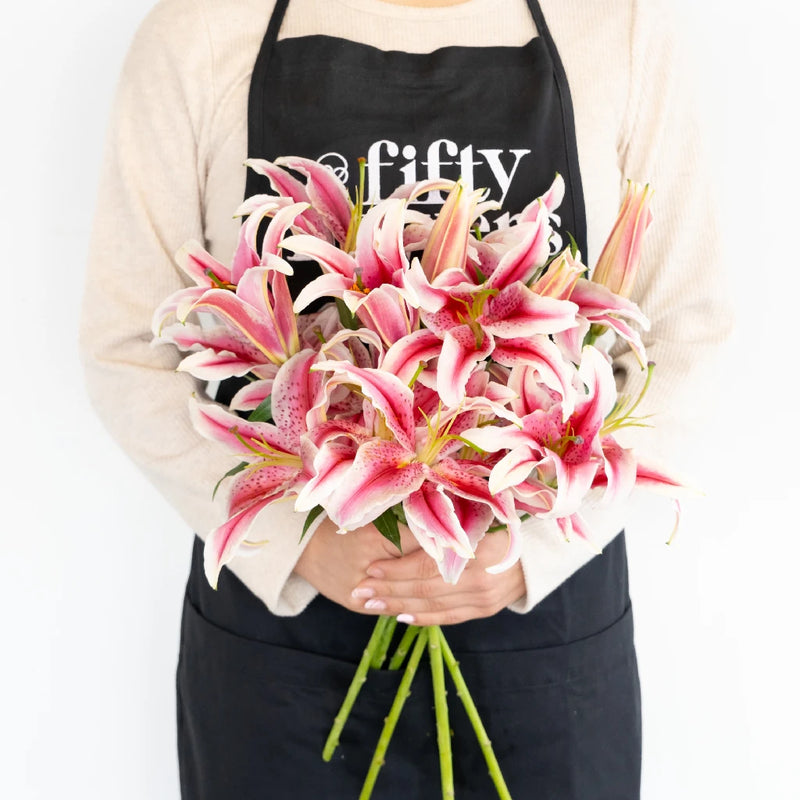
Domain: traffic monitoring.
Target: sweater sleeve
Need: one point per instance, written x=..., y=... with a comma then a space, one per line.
x=149, y=204
x=680, y=287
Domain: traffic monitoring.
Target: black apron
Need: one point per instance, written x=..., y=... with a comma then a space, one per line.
x=557, y=688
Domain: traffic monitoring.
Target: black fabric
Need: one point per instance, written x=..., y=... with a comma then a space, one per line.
x=558, y=687
x=419, y=101
x=256, y=705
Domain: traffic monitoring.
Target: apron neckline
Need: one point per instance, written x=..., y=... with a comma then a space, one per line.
x=388, y=10
x=447, y=59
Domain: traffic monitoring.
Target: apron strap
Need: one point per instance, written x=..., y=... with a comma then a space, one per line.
x=255, y=104
x=575, y=188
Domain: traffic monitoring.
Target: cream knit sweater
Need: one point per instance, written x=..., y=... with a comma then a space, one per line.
x=173, y=171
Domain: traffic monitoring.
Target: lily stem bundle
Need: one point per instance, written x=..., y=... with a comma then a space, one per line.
x=416, y=640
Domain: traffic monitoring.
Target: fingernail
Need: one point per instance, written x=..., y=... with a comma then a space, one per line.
x=362, y=592
x=408, y=619
x=375, y=572
x=375, y=605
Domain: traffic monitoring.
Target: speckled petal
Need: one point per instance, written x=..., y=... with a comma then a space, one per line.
x=213, y=422
x=386, y=392
x=517, y=311
x=380, y=476
x=326, y=192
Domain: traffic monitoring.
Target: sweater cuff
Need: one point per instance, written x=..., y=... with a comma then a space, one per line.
x=267, y=570
x=548, y=559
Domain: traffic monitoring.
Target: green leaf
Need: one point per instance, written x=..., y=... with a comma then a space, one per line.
x=400, y=514
x=345, y=316
x=229, y=474
x=386, y=523
x=264, y=411
x=573, y=245
x=312, y=515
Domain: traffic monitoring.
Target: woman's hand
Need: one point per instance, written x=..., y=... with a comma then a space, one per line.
x=334, y=563
x=412, y=587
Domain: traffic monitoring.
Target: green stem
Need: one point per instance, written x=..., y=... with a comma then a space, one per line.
x=435, y=637
x=358, y=681
x=405, y=645
x=594, y=333
x=390, y=722
x=383, y=645
x=475, y=719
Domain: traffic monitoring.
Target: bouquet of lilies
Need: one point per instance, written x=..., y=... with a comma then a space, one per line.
x=452, y=382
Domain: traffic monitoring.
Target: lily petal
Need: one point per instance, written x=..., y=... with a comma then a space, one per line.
x=385, y=312
x=246, y=320
x=199, y=264
x=326, y=192
x=517, y=311
x=461, y=353
x=178, y=304
x=620, y=470
x=405, y=355
x=386, y=392
x=331, y=465
x=380, y=476
x=216, y=365
x=328, y=256
x=214, y=422
x=288, y=186
x=250, y=397
x=222, y=543
x=432, y=519
x=545, y=358
x=522, y=261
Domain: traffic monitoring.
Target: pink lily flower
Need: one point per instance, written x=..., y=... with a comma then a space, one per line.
x=330, y=209
x=476, y=322
x=599, y=306
x=217, y=353
x=361, y=471
x=254, y=285
x=272, y=451
x=565, y=454
x=259, y=313
x=369, y=280
x=206, y=273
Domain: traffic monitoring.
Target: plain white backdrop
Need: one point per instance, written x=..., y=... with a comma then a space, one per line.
x=94, y=561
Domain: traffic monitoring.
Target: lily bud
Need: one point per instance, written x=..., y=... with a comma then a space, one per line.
x=560, y=278
x=447, y=243
x=619, y=262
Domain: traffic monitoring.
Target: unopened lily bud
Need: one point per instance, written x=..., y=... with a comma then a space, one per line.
x=447, y=243
x=560, y=277
x=619, y=262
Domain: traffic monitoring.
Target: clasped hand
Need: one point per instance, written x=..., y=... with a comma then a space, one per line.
x=364, y=572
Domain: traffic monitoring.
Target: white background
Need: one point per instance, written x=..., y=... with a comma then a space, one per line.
x=94, y=562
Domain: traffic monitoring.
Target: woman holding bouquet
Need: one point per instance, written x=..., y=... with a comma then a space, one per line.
x=505, y=95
